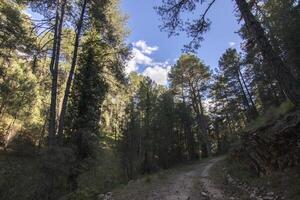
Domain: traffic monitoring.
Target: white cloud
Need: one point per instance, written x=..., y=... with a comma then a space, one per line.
x=260, y=3
x=158, y=73
x=140, y=56
x=142, y=45
x=231, y=44
x=137, y=58
x=26, y=12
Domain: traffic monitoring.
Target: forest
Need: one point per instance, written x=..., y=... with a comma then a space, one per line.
x=75, y=125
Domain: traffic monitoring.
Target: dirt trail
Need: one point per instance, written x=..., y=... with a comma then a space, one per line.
x=192, y=183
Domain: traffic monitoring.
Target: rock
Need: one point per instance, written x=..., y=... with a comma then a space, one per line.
x=252, y=195
x=268, y=198
x=270, y=193
x=230, y=180
x=204, y=194
x=100, y=196
x=107, y=196
x=274, y=146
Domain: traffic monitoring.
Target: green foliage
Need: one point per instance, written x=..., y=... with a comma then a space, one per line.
x=14, y=30
x=89, y=90
x=270, y=116
x=118, y=129
x=21, y=100
x=190, y=79
x=19, y=174
x=283, y=20
x=281, y=183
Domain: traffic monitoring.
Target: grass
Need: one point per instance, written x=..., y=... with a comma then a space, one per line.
x=19, y=177
x=217, y=174
x=271, y=115
x=104, y=175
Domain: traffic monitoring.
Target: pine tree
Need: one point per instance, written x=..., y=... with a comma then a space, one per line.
x=191, y=76
x=88, y=94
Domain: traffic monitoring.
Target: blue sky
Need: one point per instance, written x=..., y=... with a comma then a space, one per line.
x=154, y=52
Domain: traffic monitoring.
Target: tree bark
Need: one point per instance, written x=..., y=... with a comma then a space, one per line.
x=54, y=72
x=280, y=71
x=72, y=70
x=248, y=92
x=197, y=106
x=243, y=91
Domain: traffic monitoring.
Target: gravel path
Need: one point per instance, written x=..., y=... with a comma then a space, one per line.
x=192, y=183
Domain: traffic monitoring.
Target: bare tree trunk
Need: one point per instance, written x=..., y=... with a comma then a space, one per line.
x=247, y=91
x=54, y=69
x=205, y=127
x=42, y=133
x=71, y=73
x=281, y=72
x=2, y=108
x=51, y=131
x=243, y=91
x=198, y=108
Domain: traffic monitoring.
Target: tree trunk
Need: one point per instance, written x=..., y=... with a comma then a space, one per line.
x=2, y=107
x=71, y=73
x=229, y=121
x=51, y=131
x=243, y=91
x=197, y=106
x=54, y=70
x=282, y=73
x=205, y=127
x=247, y=91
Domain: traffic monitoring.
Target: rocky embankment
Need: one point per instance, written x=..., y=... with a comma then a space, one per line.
x=272, y=147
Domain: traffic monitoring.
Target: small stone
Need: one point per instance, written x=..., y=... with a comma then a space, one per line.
x=252, y=195
x=268, y=198
x=100, y=196
x=204, y=194
x=270, y=193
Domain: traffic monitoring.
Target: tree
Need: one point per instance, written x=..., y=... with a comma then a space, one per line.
x=130, y=143
x=192, y=76
x=230, y=65
x=185, y=131
x=14, y=31
x=171, y=10
x=92, y=12
x=88, y=94
x=147, y=97
x=167, y=142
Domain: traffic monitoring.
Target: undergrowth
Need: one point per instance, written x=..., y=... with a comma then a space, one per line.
x=270, y=115
x=285, y=183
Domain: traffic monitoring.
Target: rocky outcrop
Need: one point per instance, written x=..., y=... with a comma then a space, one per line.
x=274, y=146
x=255, y=193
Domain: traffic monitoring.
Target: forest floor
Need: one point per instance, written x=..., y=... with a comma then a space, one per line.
x=189, y=182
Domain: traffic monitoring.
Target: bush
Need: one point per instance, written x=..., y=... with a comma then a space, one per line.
x=271, y=115
x=22, y=145
x=55, y=165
